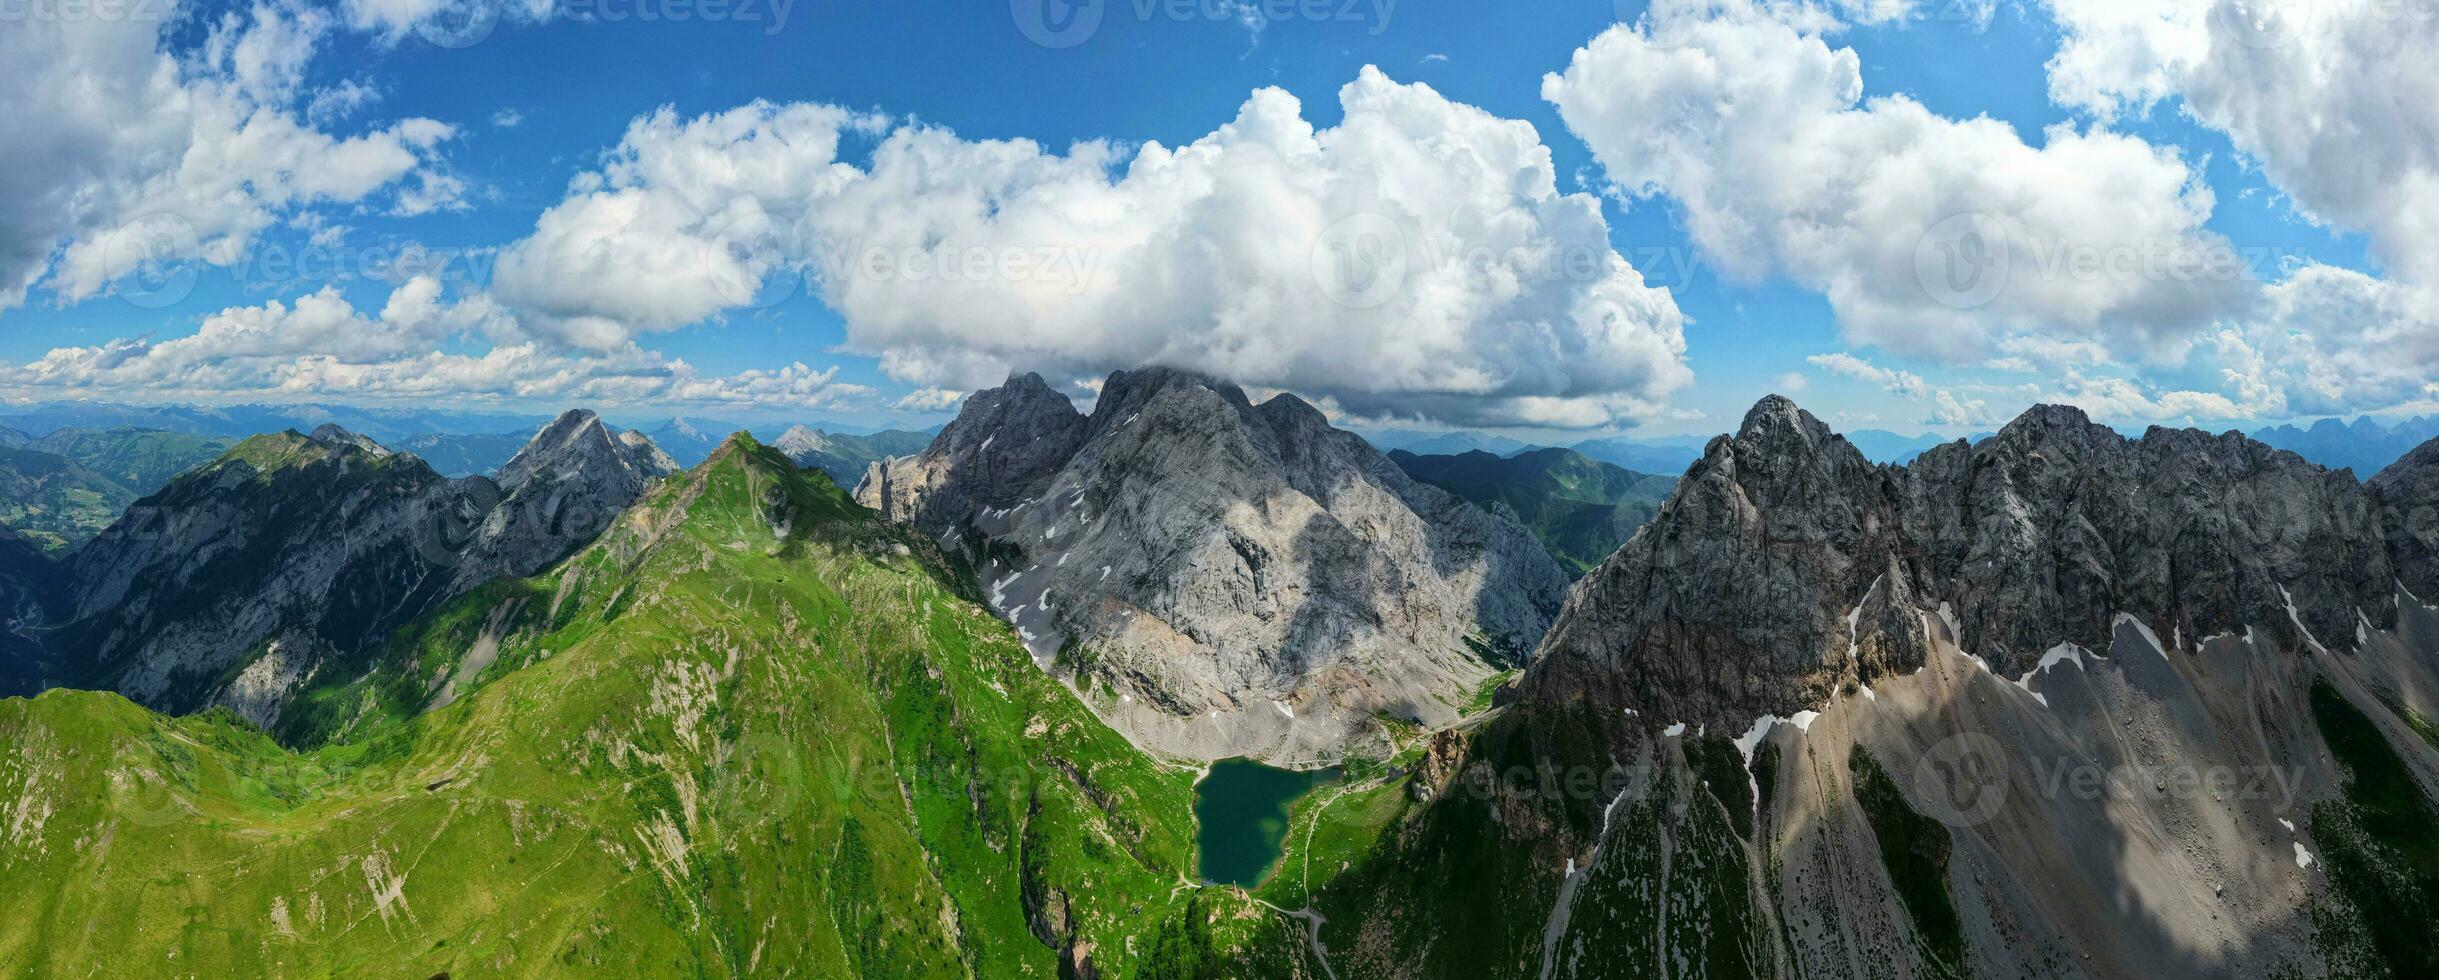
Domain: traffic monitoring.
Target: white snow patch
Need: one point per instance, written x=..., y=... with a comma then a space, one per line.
x=2129, y=619
x=1854, y=618
x=1947, y=614
x=2297, y=619
x=1752, y=737
x=2062, y=653
x=1675, y=730
x=1803, y=720
x=1868, y=695
x=1284, y=709
x=2303, y=858
x=2288, y=824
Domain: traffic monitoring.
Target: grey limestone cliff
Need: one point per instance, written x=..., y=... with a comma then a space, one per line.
x=239, y=579
x=1225, y=578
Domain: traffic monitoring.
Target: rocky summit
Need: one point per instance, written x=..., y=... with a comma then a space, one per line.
x=239, y=580
x=1224, y=578
x=2061, y=702
x=1761, y=586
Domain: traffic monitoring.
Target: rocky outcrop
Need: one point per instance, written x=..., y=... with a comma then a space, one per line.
x=2408, y=492
x=1734, y=600
x=1002, y=449
x=293, y=553
x=336, y=434
x=1756, y=588
x=1224, y=578
x=2059, y=703
x=802, y=444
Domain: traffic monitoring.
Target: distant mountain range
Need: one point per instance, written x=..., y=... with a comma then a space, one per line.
x=1431, y=443
x=2364, y=445
x=1664, y=458
x=1581, y=508
x=63, y=488
x=845, y=457
x=240, y=421
x=1662, y=455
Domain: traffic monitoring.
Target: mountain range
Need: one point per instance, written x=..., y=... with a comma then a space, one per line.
x=2058, y=701
x=1222, y=578
x=2363, y=445
x=60, y=490
x=1580, y=508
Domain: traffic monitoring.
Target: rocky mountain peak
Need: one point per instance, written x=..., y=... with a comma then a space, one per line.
x=1287, y=413
x=337, y=435
x=1778, y=417
x=239, y=579
x=645, y=456
x=800, y=441
x=1239, y=580
x=1002, y=447
x=1755, y=588
x=577, y=443
x=2063, y=426
x=1127, y=391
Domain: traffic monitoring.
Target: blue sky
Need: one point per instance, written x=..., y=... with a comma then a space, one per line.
x=540, y=99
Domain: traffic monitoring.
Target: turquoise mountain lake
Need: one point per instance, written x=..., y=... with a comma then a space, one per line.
x=1241, y=807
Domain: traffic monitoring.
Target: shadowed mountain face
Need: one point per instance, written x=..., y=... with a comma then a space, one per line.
x=30, y=595
x=238, y=581
x=2061, y=700
x=1224, y=578
x=2041, y=534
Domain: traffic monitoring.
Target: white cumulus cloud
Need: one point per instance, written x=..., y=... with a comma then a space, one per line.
x=1416, y=259
x=419, y=345
x=1935, y=235
x=126, y=154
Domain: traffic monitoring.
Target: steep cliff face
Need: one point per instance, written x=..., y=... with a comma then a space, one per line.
x=1753, y=592
x=2408, y=491
x=1003, y=447
x=239, y=579
x=1742, y=596
x=1225, y=578
x=2059, y=703
x=30, y=595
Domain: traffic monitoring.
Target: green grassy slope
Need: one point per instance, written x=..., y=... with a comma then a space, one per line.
x=751, y=730
x=1581, y=508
